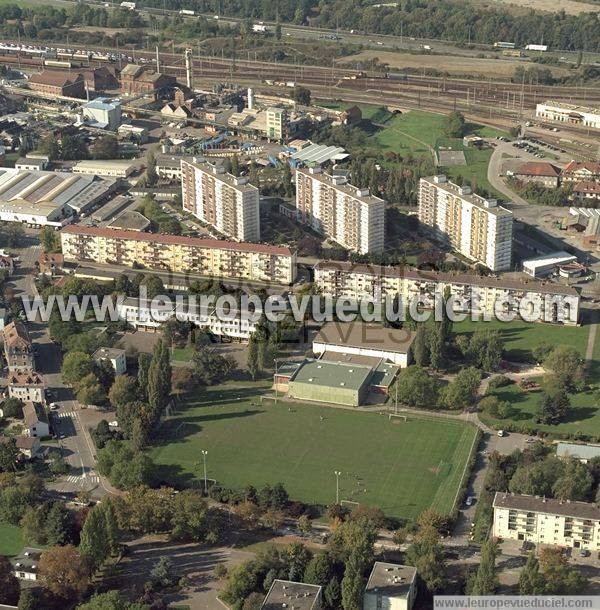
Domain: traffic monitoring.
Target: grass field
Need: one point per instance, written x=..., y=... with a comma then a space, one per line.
x=11, y=539
x=521, y=337
x=401, y=467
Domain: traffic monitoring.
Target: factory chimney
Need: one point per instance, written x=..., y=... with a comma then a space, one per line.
x=250, y=98
x=157, y=61
x=189, y=68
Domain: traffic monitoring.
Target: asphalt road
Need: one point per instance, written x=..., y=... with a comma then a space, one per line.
x=69, y=420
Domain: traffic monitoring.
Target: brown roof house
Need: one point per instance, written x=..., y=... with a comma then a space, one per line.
x=18, y=350
x=29, y=446
x=27, y=386
x=50, y=263
x=137, y=80
x=539, y=172
x=587, y=190
x=36, y=420
x=54, y=82
x=579, y=171
x=101, y=79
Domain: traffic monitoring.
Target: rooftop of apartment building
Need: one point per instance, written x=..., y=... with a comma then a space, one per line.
x=549, y=506
x=360, y=334
x=465, y=193
x=239, y=183
x=340, y=183
x=175, y=240
x=410, y=273
x=391, y=579
x=288, y=594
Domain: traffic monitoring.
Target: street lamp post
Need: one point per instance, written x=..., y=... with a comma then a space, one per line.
x=337, y=474
x=275, y=384
x=204, y=454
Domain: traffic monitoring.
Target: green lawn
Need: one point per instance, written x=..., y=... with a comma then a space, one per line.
x=520, y=337
x=11, y=539
x=401, y=467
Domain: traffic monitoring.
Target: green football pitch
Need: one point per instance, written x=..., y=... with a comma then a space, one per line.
x=401, y=466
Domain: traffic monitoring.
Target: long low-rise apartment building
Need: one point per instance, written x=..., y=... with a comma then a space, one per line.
x=228, y=203
x=476, y=227
x=480, y=294
x=546, y=521
x=197, y=256
x=350, y=216
x=569, y=113
x=234, y=324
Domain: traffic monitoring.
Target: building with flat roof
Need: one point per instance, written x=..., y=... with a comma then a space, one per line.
x=55, y=195
x=179, y=254
x=476, y=227
x=293, y=595
x=359, y=338
x=350, y=216
x=114, y=168
x=103, y=113
x=115, y=356
x=582, y=452
x=392, y=586
x=480, y=294
x=573, y=114
x=546, y=521
x=276, y=122
x=542, y=266
x=228, y=203
x=337, y=379
x=32, y=163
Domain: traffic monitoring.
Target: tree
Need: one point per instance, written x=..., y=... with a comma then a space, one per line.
x=453, y=125
x=211, y=367
x=50, y=240
x=183, y=380
x=159, y=380
x=485, y=581
x=150, y=177
x=319, y=570
x=553, y=408
x=566, y=366
x=90, y=392
x=252, y=357
x=124, y=390
x=144, y=361
x=301, y=95
x=94, y=544
x=460, y=394
x=9, y=455
x=105, y=147
x=486, y=349
x=420, y=347
x=12, y=407
x=427, y=555
x=353, y=584
x=175, y=332
x=49, y=146
x=416, y=388
x=9, y=584
x=333, y=593
x=64, y=572
x=531, y=582
x=110, y=600
x=305, y=524
x=58, y=525
x=575, y=482
x=76, y=365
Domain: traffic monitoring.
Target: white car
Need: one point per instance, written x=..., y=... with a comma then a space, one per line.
x=54, y=406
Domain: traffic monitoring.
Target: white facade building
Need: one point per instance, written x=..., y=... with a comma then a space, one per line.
x=360, y=339
x=545, y=265
x=350, y=216
x=115, y=356
x=475, y=227
x=569, y=113
x=228, y=203
x=390, y=586
x=113, y=168
x=103, y=113
x=546, y=521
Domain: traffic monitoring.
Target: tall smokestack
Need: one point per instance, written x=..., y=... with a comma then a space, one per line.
x=189, y=68
x=250, y=98
x=157, y=61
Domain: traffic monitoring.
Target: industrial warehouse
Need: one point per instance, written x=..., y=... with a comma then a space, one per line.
x=42, y=198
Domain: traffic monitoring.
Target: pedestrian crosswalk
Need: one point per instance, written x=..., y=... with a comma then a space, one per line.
x=65, y=414
x=82, y=480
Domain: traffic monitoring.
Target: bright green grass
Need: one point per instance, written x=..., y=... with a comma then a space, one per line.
x=416, y=132
x=521, y=337
x=183, y=354
x=475, y=171
x=404, y=467
x=11, y=539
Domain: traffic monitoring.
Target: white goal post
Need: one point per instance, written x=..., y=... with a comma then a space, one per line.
x=392, y=416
